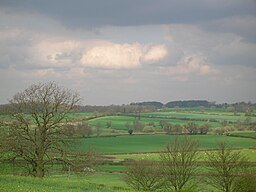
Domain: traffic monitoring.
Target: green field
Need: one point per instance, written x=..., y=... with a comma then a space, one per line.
x=79, y=116
x=245, y=133
x=213, y=118
x=228, y=116
x=154, y=143
x=64, y=183
x=250, y=153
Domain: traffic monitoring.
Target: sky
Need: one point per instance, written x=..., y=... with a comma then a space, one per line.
x=123, y=51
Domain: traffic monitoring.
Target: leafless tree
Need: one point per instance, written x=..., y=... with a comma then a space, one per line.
x=35, y=132
x=225, y=167
x=144, y=175
x=84, y=129
x=179, y=162
x=84, y=163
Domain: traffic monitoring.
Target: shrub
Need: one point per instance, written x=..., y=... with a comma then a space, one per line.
x=148, y=129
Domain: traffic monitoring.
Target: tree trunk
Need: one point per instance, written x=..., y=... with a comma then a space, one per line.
x=39, y=169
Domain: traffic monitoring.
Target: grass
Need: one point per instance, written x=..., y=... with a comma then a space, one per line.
x=74, y=184
x=78, y=116
x=220, y=116
x=112, y=168
x=245, y=133
x=6, y=168
x=121, y=148
x=153, y=143
x=249, y=153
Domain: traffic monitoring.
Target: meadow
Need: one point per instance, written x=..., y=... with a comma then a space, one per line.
x=154, y=143
x=119, y=147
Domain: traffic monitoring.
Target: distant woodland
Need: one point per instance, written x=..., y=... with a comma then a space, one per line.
x=147, y=106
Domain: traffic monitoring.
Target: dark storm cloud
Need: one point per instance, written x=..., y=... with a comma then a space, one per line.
x=84, y=13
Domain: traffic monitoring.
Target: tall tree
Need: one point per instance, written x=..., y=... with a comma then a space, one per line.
x=144, y=175
x=35, y=131
x=225, y=167
x=179, y=162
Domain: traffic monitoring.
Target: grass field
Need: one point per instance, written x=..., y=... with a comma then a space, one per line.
x=56, y=184
x=220, y=116
x=154, y=143
x=213, y=118
x=246, y=133
x=250, y=153
x=79, y=116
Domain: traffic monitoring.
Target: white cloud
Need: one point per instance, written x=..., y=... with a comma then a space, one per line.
x=155, y=53
x=56, y=53
x=190, y=64
x=118, y=56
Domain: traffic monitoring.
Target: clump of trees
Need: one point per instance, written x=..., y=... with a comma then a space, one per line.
x=177, y=169
x=190, y=128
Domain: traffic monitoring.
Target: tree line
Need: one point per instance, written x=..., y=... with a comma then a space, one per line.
x=151, y=106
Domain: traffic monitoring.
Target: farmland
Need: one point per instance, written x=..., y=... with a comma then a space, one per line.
x=117, y=146
x=154, y=143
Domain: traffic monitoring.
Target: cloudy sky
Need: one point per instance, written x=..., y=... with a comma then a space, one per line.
x=122, y=51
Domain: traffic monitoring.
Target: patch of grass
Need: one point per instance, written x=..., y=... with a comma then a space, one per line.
x=220, y=116
x=245, y=133
x=74, y=184
x=250, y=153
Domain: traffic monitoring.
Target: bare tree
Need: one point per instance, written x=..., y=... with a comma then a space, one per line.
x=84, y=129
x=98, y=129
x=144, y=175
x=179, y=162
x=35, y=131
x=225, y=167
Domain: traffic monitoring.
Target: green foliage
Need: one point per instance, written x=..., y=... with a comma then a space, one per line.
x=130, y=131
x=148, y=129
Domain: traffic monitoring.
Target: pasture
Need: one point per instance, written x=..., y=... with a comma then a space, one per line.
x=154, y=143
x=120, y=149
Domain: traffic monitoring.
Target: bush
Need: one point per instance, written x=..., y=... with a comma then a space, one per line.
x=148, y=129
